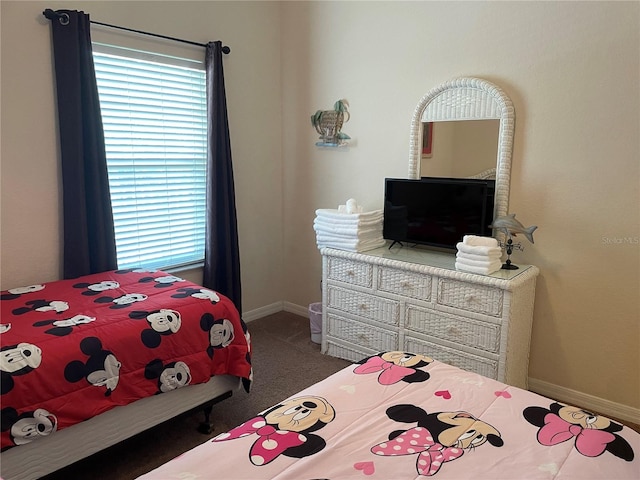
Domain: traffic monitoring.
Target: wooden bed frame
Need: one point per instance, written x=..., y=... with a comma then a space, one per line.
x=33, y=460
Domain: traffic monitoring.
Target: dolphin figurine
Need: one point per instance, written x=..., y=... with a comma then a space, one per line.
x=510, y=226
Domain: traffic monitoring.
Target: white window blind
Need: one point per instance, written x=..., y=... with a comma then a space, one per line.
x=155, y=128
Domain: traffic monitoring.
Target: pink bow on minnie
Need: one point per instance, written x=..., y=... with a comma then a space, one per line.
x=390, y=372
x=432, y=454
x=589, y=442
x=271, y=443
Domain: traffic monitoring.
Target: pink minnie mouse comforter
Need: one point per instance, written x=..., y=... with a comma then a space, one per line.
x=402, y=416
x=72, y=349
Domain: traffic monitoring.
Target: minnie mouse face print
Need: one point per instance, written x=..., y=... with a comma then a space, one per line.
x=395, y=366
x=438, y=437
x=285, y=429
x=591, y=434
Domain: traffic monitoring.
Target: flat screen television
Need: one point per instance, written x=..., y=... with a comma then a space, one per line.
x=437, y=211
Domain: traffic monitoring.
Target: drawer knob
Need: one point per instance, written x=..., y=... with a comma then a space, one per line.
x=362, y=306
x=470, y=298
x=351, y=273
x=405, y=284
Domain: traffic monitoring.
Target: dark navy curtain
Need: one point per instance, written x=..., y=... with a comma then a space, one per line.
x=221, y=253
x=89, y=239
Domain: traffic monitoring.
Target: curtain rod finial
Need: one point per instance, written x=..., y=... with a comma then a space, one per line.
x=226, y=49
x=63, y=18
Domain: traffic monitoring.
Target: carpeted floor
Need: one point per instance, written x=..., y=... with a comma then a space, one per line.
x=285, y=361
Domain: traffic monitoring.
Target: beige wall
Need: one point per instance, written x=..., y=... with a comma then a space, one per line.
x=571, y=69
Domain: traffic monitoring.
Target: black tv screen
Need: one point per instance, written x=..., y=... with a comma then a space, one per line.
x=437, y=211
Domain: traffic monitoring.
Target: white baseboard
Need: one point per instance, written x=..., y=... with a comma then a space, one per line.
x=263, y=311
x=556, y=392
x=586, y=401
x=275, y=308
x=297, y=309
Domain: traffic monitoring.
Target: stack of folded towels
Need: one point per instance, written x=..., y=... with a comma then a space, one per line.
x=478, y=255
x=348, y=228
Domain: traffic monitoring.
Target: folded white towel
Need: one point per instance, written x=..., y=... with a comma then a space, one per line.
x=357, y=246
x=477, y=241
x=348, y=234
x=486, y=263
x=479, y=258
x=346, y=239
x=479, y=270
x=477, y=250
x=333, y=214
x=347, y=230
x=350, y=243
x=348, y=222
x=330, y=222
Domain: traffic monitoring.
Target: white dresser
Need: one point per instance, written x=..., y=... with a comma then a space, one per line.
x=414, y=300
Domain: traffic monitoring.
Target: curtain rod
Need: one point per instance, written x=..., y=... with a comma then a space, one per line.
x=63, y=18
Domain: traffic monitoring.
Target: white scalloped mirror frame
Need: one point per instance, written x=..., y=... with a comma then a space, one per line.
x=468, y=98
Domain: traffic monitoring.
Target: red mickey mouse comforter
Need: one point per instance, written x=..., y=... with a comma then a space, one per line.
x=397, y=416
x=72, y=349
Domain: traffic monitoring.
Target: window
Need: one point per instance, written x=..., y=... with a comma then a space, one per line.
x=155, y=126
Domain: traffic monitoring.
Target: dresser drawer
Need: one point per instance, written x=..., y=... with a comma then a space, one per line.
x=347, y=351
x=470, y=297
x=467, y=361
x=405, y=283
x=362, y=334
x=348, y=271
x=369, y=306
x=454, y=328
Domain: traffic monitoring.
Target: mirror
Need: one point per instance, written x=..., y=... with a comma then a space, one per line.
x=463, y=149
x=448, y=106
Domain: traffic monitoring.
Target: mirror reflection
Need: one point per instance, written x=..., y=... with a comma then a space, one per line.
x=459, y=149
